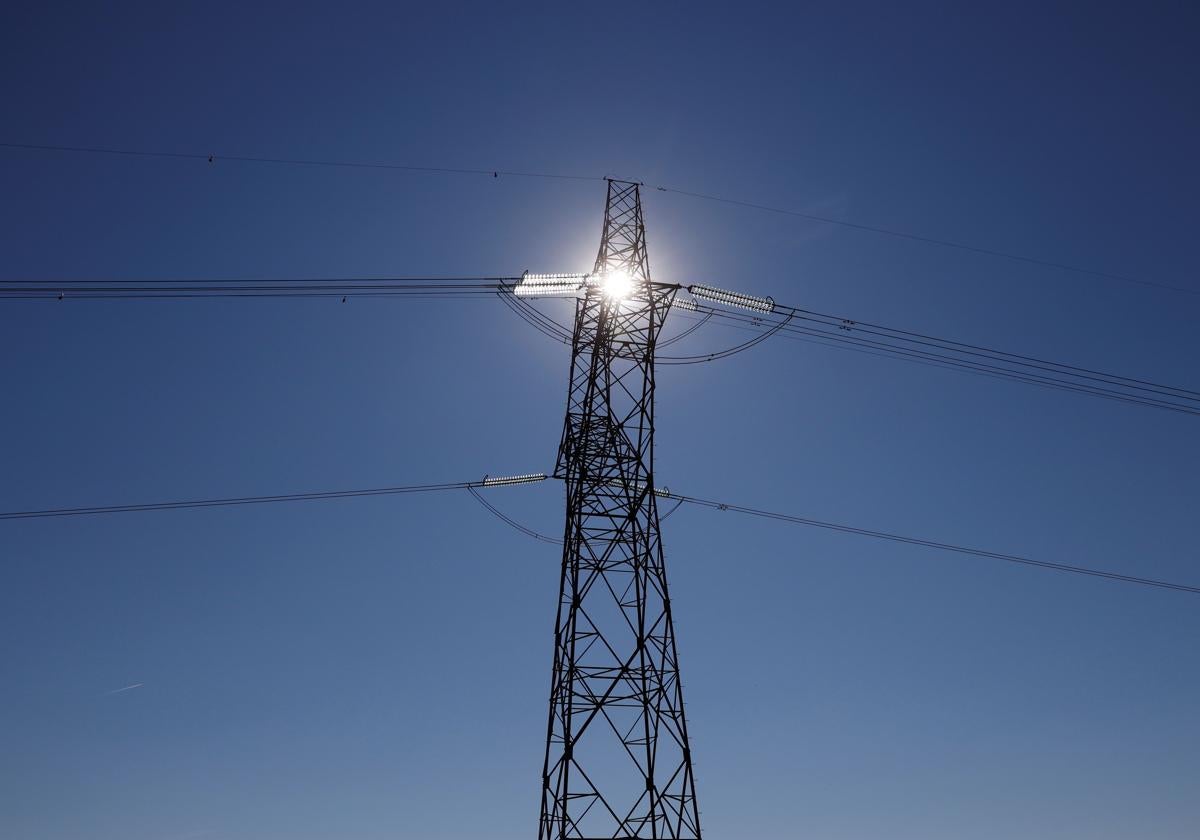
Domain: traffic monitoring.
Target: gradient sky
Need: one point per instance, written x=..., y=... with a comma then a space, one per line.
x=379, y=668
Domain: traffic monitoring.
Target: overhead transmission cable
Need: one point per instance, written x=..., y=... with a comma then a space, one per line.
x=312, y=162
x=773, y=318
x=531, y=315
x=508, y=520
x=1018, y=372
x=839, y=343
x=430, y=288
x=700, y=322
x=728, y=351
x=927, y=543
x=213, y=158
x=486, y=481
x=1034, y=362
x=532, y=478
x=931, y=240
x=770, y=318
x=555, y=285
x=767, y=318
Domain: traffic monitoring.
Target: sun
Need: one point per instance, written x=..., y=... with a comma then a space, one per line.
x=617, y=285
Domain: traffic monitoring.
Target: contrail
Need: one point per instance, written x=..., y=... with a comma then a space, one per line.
x=126, y=688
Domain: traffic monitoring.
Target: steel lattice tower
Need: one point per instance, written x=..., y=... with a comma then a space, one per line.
x=617, y=763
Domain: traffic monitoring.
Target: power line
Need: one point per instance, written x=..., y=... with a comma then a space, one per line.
x=910, y=346
x=728, y=351
x=1034, y=362
x=534, y=317
x=700, y=322
x=836, y=345
x=870, y=337
x=558, y=332
x=258, y=500
x=508, y=520
x=679, y=498
x=355, y=287
x=496, y=173
x=839, y=337
x=339, y=164
x=930, y=240
x=432, y=280
x=941, y=546
x=971, y=358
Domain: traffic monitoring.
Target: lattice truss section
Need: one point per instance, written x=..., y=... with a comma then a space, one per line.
x=618, y=763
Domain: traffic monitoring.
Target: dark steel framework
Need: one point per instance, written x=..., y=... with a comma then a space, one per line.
x=617, y=763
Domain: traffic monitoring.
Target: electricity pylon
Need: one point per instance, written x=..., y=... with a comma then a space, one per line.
x=617, y=763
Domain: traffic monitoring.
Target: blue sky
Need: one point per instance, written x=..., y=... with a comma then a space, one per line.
x=379, y=668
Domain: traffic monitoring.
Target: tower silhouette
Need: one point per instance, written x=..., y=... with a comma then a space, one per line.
x=618, y=764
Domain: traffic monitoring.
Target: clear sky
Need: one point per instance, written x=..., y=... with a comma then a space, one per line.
x=379, y=668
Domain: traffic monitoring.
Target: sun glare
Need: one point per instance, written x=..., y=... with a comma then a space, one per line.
x=617, y=285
